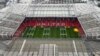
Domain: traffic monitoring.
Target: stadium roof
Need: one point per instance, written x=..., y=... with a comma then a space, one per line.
x=69, y=10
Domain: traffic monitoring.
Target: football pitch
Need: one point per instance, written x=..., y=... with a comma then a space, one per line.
x=50, y=32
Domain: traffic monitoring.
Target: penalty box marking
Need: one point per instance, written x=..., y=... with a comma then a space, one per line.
x=22, y=47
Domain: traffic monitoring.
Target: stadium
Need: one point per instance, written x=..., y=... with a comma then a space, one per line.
x=49, y=28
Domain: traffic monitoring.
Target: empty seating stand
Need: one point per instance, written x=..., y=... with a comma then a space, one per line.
x=90, y=25
x=9, y=24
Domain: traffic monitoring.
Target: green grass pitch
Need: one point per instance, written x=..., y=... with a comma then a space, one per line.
x=50, y=32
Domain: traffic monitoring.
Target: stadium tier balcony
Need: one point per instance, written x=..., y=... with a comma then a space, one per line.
x=9, y=24
x=19, y=9
x=96, y=15
x=58, y=1
x=15, y=18
x=90, y=24
x=6, y=33
x=95, y=29
x=36, y=10
x=84, y=9
x=52, y=10
x=86, y=18
x=4, y=28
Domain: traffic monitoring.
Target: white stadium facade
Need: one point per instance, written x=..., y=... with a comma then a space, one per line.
x=13, y=14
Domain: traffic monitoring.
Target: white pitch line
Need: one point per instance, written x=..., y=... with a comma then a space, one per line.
x=75, y=48
x=54, y=49
x=22, y=47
